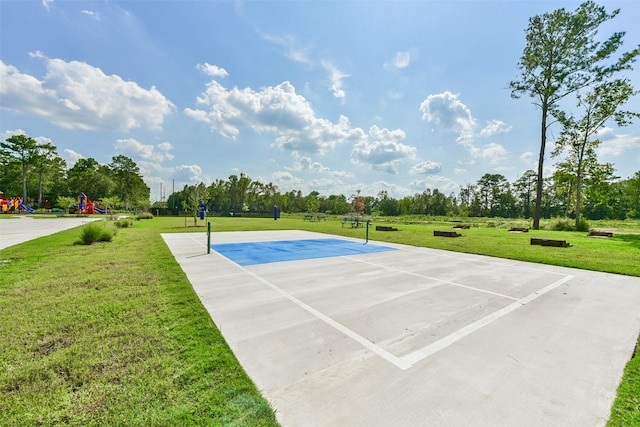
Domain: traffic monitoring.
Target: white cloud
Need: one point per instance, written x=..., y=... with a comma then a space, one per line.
x=47, y=4
x=303, y=163
x=192, y=172
x=495, y=127
x=286, y=181
x=447, y=110
x=382, y=150
x=10, y=133
x=148, y=152
x=277, y=109
x=443, y=184
x=527, y=157
x=618, y=145
x=91, y=13
x=336, y=77
x=212, y=70
x=291, y=48
x=75, y=95
x=427, y=167
x=402, y=60
x=496, y=153
x=71, y=157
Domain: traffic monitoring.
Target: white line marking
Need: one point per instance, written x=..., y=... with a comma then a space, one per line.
x=399, y=362
x=410, y=359
x=443, y=343
x=434, y=278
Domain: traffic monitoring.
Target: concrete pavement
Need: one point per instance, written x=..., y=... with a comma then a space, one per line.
x=19, y=229
x=417, y=336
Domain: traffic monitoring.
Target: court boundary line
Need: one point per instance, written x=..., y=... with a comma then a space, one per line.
x=407, y=361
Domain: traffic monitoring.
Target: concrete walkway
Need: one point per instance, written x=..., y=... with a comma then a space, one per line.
x=19, y=229
x=419, y=337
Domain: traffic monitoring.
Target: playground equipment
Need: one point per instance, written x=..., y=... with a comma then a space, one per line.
x=13, y=205
x=87, y=207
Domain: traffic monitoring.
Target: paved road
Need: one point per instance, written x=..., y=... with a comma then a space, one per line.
x=19, y=229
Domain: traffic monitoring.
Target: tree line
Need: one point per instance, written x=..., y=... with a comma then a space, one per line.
x=604, y=197
x=35, y=172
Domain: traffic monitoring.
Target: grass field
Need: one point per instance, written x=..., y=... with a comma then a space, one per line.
x=113, y=334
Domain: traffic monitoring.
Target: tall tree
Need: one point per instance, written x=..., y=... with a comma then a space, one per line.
x=129, y=183
x=598, y=106
x=46, y=160
x=22, y=150
x=562, y=56
x=89, y=177
x=525, y=187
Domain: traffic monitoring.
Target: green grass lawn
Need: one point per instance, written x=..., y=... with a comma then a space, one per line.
x=113, y=333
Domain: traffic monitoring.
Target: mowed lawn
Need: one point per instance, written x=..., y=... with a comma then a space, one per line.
x=113, y=333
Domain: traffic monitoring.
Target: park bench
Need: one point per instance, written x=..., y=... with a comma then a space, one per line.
x=446, y=233
x=462, y=226
x=308, y=218
x=519, y=229
x=594, y=233
x=551, y=242
x=355, y=222
x=385, y=228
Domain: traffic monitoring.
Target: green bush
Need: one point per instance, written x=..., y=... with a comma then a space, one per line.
x=96, y=232
x=568, y=224
x=144, y=215
x=123, y=223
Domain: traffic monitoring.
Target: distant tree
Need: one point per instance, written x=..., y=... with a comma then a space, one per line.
x=89, y=177
x=22, y=150
x=357, y=202
x=525, y=188
x=387, y=206
x=66, y=202
x=491, y=189
x=601, y=104
x=312, y=202
x=630, y=194
x=130, y=186
x=562, y=55
x=46, y=161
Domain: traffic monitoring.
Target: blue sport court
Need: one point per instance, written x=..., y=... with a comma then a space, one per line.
x=253, y=253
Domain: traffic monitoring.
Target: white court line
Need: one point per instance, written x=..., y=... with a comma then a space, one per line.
x=399, y=362
x=422, y=276
x=443, y=343
x=410, y=359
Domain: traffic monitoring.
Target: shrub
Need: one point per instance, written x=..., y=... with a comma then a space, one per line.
x=144, y=215
x=123, y=223
x=96, y=232
x=567, y=224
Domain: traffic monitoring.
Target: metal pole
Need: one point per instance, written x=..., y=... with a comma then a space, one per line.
x=367, y=234
x=208, y=237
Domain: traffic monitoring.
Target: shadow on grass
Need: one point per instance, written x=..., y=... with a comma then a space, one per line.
x=632, y=239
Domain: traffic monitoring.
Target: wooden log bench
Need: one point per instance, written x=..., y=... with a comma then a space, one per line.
x=462, y=226
x=519, y=229
x=551, y=242
x=595, y=233
x=385, y=228
x=446, y=233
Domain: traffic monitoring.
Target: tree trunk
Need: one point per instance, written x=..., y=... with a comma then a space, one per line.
x=579, y=187
x=24, y=182
x=543, y=142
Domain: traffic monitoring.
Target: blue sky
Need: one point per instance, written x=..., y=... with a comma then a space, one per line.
x=331, y=96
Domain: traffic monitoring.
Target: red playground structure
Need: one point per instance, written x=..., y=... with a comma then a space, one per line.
x=87, y=207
